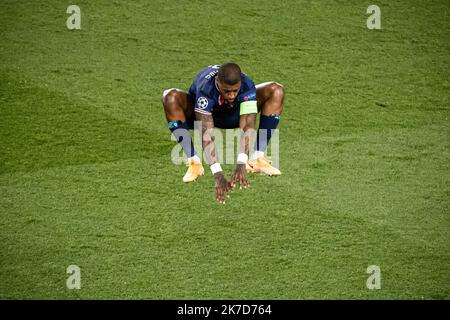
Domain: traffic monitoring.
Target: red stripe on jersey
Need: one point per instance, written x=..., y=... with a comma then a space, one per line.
x=202, y=111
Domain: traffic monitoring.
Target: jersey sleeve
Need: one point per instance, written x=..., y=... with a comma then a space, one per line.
x=203, y=104
x=248, y=104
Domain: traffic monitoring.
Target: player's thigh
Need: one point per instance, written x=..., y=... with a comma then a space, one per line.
x=181, y=99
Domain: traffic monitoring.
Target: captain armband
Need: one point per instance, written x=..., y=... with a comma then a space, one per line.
x=248, y=107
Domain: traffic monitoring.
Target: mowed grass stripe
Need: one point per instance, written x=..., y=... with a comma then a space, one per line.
x=43, y=128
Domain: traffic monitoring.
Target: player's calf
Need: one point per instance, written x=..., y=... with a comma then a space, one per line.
x=175, y=103
x=270, y=99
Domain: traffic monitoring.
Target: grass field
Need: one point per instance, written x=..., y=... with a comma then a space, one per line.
x=86, y=176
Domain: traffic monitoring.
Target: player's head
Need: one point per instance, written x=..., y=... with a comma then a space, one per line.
x=228, y=81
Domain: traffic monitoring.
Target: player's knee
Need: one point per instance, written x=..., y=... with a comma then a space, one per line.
x=277, y=91
x=170, y=97
x=277, y=97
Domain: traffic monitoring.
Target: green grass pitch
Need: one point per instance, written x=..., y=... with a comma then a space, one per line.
x=86, y=177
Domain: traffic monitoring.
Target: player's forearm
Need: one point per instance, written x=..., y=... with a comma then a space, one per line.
x=211, y=154
x=247, y=125
x=210, y=150
x=209, y=147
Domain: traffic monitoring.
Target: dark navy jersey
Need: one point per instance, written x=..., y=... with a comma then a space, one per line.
x=208, y=99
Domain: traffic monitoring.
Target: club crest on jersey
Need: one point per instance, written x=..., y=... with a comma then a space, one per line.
x=202, y=102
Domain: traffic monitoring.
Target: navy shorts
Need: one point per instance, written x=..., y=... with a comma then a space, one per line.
x=227, y=119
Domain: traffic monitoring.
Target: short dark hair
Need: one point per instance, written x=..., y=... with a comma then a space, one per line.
x=229, y=73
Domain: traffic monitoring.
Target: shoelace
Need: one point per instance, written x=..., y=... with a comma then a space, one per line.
x=268, y=159
x=188, y=164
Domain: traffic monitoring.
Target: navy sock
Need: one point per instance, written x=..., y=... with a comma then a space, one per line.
x=267, y=126
x=181, y=131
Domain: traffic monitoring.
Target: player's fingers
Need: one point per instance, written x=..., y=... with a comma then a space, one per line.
x=218, y=195
x=233, y=181
x=222, y=198
x=223, y=195
x=242, y=182
x=227, y=189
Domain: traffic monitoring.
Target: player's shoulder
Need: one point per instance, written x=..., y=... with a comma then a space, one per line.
x=205, y=79
x=246, y=81
x=208, y=73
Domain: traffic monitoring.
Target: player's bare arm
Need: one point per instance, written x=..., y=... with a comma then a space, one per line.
x=221, y=184
x=247, y=123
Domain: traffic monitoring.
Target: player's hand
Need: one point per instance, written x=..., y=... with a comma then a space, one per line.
x=222, y=187
x=240, y=176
